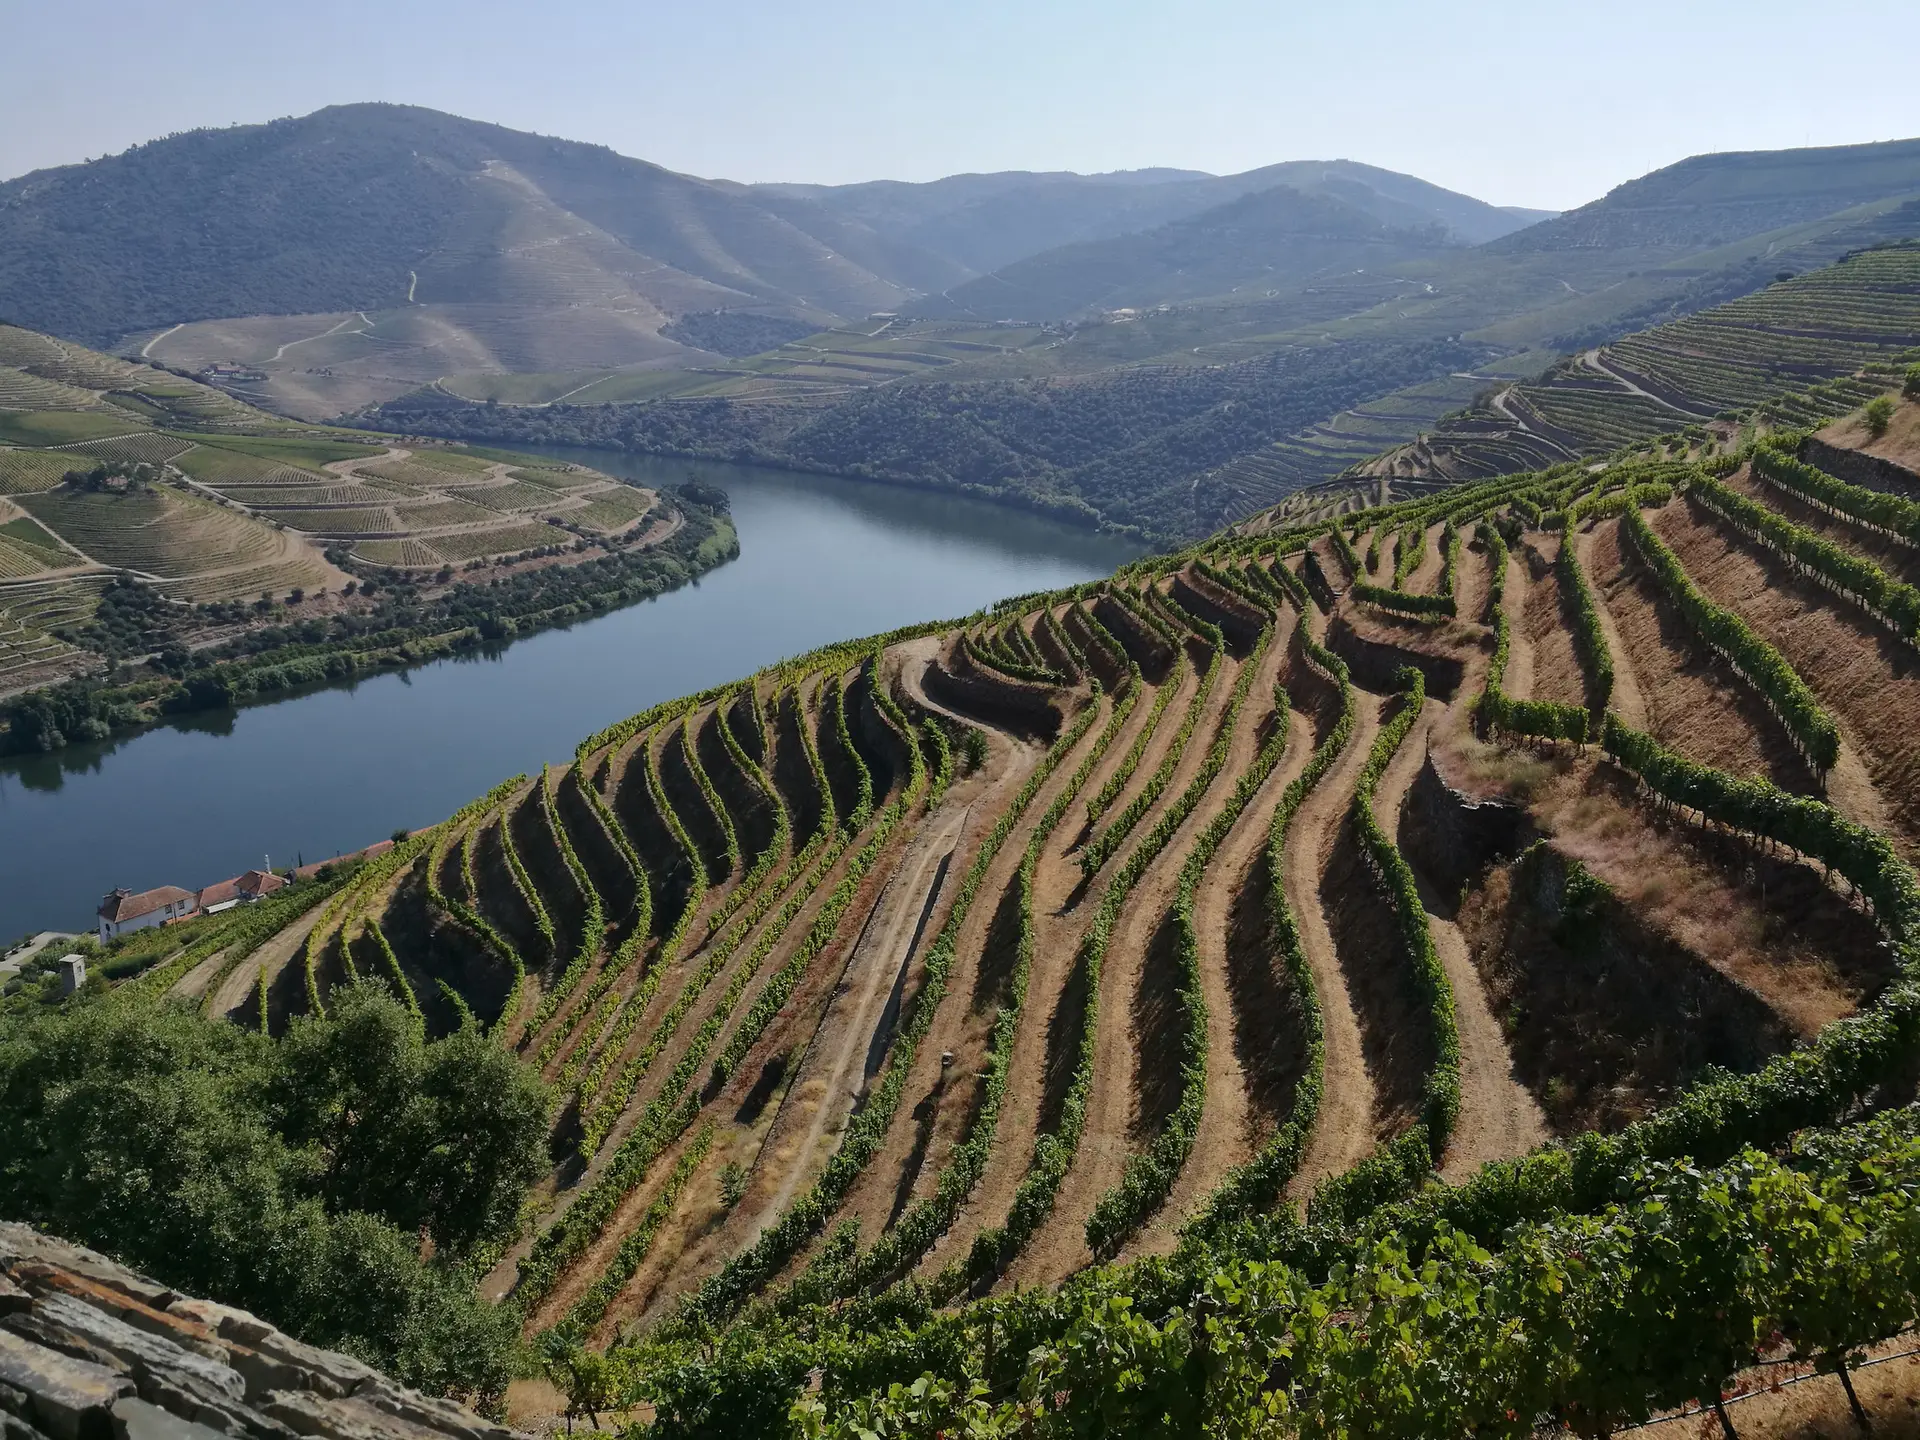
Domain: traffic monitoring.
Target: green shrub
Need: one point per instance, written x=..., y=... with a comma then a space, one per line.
x=1879, y=415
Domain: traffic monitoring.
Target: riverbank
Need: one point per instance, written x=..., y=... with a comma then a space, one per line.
x=329, y=766
x=410, y=626
x=722, y=432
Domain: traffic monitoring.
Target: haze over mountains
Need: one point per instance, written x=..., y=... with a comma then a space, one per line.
x=1161, y=349
x=498, y=250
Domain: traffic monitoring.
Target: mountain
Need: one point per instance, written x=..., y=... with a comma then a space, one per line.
x=354, y=253
x=1709, y=200
x=395, y=244
x=1177, y=420
x=1272, y=238
x=374, y=206
x=988, y=221
x=1214, y=235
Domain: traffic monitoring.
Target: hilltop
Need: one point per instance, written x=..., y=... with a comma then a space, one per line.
x=352, y=253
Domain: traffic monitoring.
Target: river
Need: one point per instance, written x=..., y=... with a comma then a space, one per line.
x=317, y=774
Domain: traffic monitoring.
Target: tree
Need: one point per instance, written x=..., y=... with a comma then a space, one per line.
x=151, y=1132
x=1912, y=388
x=1879, y=415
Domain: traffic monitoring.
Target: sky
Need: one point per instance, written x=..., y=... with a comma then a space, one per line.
x=1538, y=105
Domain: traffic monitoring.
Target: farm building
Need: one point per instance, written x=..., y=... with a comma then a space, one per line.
x=241, y=890
x=123, y=910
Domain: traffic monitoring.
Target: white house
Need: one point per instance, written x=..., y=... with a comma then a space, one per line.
x=123, y=910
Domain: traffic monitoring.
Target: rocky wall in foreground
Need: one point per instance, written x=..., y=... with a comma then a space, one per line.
x=89, y=1350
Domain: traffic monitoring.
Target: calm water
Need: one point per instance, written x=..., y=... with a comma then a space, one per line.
x=332, y=770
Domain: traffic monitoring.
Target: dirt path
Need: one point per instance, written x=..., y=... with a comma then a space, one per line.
x=1113, y=1107
x=284, y=947
x=940, y=1101
x=1499, y=1118
x=842, y=1055
x=1228, y=1124
x=193, y=985
x=1343, y=1133
x=711, y=1233
x=703, y=1234
x=1628, y=701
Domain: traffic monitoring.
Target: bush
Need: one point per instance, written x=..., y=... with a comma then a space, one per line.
x=292, y=1178
x=1879, y=415
x=1912, y=388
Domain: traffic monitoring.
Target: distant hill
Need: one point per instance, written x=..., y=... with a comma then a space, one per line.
x=394, y=244
x=1273, y=238
x=1709, y=200
x=984, y=222
x=353, y=253
x=343, y=208
x=1255, y=230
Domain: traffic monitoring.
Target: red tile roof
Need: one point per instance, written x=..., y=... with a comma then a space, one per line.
x=123, y=905
x=250, y=886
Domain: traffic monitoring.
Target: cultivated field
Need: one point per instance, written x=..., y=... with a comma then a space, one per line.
x=1340, y=862
x=237, y=504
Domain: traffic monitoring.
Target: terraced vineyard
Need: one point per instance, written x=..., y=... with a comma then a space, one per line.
x=238, y=504
x=947, y=1029
x=1806, y=335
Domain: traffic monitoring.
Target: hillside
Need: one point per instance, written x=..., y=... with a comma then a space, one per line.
x=1278, y=238
x=1450, y=868
x=174, y=548
x=395, y=244
x=1703, y=372
x=1711, y=200
x=1311, y=377
x=354, y=253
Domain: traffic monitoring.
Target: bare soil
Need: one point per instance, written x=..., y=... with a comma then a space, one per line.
x=1123, y=1055
x=1606, y=1017
x=1695, y=703
x=1867, y=678
x=1498, y=1118
x=1628, y=699
x=1344, y=1130
x=1042, y=1063
x=1255, y=1051
x=1546, y=622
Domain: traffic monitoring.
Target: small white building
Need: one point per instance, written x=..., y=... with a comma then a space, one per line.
x=73, y=973
x=123, y=910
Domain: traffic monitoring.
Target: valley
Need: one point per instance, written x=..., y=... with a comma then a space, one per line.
x=913, y=976
x=1279, y=804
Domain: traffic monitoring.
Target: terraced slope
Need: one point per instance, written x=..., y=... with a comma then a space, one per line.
x=888, y=994
x=151, y=521
x=1709, y=374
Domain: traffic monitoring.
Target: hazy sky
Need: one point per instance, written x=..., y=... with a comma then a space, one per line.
x=1546, y=105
